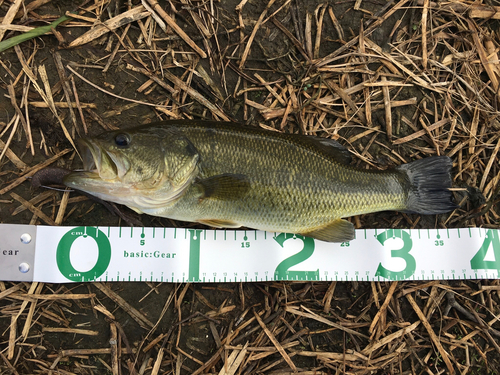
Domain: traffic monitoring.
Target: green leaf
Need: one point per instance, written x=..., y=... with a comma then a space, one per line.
x=14, y=41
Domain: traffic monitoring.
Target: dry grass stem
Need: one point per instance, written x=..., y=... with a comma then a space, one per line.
x=246, y=51
x=393, y=83
x=134, y=313
x=125, y=18
x=170, y=21
x=9, y=16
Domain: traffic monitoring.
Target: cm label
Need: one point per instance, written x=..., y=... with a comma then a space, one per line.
x=64, y=249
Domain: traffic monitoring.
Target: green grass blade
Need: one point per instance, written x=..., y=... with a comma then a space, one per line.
x=6, y=44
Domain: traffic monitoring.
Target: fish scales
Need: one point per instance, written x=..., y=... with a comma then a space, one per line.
x=227, y=175
x=293, y=186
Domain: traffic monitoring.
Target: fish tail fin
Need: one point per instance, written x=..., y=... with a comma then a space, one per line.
x=430, y=181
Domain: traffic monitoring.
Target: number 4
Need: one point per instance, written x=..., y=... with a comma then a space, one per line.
x=478, y=262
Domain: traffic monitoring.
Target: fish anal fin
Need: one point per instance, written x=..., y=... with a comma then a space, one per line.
x=216, y=223
x=225, y=186
x=339, y=230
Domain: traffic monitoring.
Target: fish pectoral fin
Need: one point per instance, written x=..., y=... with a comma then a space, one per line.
x=225, y=186
x=339, y=230
x=219, y=223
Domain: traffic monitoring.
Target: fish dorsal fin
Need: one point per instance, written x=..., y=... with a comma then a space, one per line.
x=339, y=230
x=333, y=148
x=225, y=186
x=328, y=146
x=219, y=223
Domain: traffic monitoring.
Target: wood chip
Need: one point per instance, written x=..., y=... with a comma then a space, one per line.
x=425, y=11
x=234, y=361
x=382, y=311
x=66, y=87
x=73, y=331
x=388, y=110
x=483, y=11
x=62, y=105
x=195, y=95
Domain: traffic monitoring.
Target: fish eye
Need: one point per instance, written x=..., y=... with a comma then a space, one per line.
x=122, y=140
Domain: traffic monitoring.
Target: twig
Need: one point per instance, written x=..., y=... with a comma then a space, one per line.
x=122, y=19
x=110, y=93
x=432, y=334
x=66, y=88
x=425, y=11
x=9, y=16
x=252, y=35
x=134, y=313
x=170, y=21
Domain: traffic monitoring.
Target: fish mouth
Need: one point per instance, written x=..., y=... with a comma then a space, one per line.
x=102, y=173
x=98, y=162
x=91, y=158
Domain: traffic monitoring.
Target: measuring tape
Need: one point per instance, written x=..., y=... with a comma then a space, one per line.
x=82, y=254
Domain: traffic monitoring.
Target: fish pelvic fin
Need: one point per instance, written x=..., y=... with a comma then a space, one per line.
x=430, y=181
x=339, y=230
x=216, y=223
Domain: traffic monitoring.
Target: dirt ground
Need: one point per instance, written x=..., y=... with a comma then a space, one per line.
x=444, y=61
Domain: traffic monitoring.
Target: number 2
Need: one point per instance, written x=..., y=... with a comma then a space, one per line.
x=282, y=271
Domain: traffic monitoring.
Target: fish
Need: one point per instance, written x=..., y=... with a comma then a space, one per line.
x=226, y=175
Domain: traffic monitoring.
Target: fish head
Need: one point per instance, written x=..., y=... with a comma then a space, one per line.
x=143, y=168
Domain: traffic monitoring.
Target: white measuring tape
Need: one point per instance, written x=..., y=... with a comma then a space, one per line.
x=76, y=254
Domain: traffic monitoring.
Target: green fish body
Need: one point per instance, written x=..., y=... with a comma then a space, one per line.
x=227, y=175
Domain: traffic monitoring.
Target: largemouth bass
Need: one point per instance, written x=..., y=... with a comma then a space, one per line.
x=226, y=176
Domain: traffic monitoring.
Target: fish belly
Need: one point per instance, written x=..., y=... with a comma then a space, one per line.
x=299, y=203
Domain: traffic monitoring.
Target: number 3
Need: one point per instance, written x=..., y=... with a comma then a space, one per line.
x=404, y=253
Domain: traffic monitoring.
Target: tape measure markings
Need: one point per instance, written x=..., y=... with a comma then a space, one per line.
x=65, y=254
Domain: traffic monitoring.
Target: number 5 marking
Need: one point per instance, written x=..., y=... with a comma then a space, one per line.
x=404, y=253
